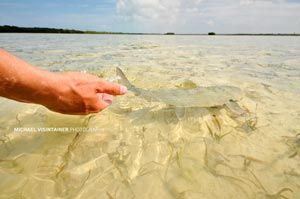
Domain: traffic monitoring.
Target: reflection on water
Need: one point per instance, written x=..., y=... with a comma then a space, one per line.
x=143, y=149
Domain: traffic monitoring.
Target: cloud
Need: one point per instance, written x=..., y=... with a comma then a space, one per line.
x=158, y=15
x=201, y=16
x=180, y=16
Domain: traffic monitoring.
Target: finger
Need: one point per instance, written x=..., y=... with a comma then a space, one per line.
x=111, y=88
x=107, y=98
x=104, y=100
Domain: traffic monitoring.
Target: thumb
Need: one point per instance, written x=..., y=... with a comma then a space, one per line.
x=104, y=100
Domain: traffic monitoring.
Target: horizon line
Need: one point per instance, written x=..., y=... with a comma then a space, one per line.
x=75, y=31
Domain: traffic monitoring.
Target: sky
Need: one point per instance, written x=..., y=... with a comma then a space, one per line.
x=156, y=16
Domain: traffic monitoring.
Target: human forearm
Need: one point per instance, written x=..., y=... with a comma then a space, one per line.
x=20, y=80
x=70, y=93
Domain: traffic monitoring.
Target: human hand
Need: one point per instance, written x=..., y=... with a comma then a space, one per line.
x=79, y=93
x=69, y=93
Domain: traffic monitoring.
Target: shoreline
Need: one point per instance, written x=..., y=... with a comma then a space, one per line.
x=44, y=30
x=153, y=34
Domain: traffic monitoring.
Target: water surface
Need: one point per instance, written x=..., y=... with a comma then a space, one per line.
x=141, y=149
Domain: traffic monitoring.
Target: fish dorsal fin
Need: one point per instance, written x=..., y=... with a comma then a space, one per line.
x=126, y=82
x=124, y=79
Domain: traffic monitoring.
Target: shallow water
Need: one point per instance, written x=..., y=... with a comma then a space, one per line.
x=141, y=149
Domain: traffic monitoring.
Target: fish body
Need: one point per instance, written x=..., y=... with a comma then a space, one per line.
x=183, y=98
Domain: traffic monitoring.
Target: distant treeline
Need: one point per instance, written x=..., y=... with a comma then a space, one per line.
x=16, y=29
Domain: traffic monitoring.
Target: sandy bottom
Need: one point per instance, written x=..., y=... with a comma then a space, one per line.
x=141, y=149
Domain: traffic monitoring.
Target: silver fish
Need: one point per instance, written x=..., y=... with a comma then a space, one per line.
x=212, y=96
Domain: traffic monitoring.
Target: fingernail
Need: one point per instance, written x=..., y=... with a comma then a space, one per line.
x=106, y=98
x=108, y=101
x=123, y=89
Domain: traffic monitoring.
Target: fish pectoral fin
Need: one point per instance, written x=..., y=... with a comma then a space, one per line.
x=234, y=107
x=180, y=112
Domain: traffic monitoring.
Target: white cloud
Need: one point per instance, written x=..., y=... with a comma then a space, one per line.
x=200, y=16
x=157, y=15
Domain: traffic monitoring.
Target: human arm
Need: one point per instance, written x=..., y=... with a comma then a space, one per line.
x=68, y=93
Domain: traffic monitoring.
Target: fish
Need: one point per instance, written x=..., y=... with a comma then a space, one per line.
x=212, y=96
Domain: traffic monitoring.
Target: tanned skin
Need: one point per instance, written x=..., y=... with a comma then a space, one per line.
x=73, y=93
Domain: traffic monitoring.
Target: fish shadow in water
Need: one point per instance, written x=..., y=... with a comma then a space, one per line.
x=192, y=117
x=219, y=120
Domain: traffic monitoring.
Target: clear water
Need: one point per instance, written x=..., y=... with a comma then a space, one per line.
x=141, y=149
